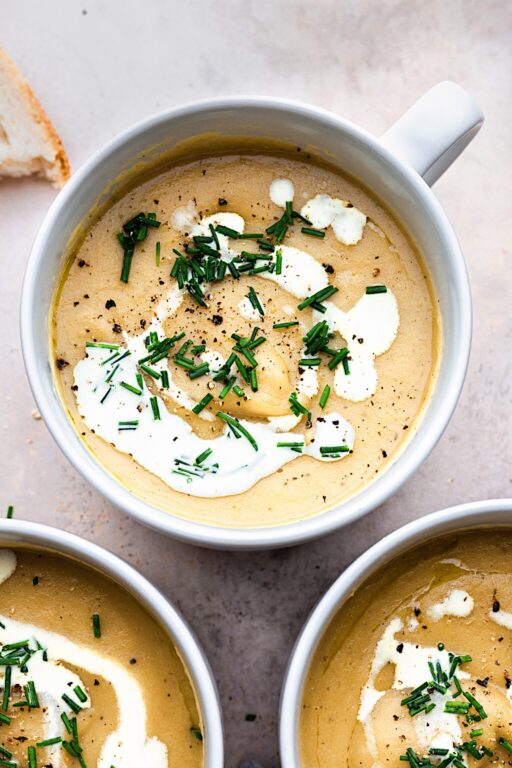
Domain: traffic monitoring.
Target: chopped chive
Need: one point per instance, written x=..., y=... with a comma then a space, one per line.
x=238, y=426
x=376, y=289
x=276, y=326
x=327, y=449
x=10, y=512
x=5, y=719
x=279, y=262
x=96, y=626
x=184, y=362
x=201, y=370
x=265, y=245
x=80, y=693
x=130, y=388
x=49, y=742
x=202, y=404
x=32, y=759
x=67, y=723
x=293, y=446
x=112, y=374
x=238, y=391
x=107, y=393
x=71, y=704
x=154, y=407
x=475, y=733
x=204, y=455
x=164, y=375
x=7, y=688
x=319, y=296
x=157, y=253
x=150, y=371
x=116, y=358
x=101, y=345
x=324, y=396
x=254, y=380
x=31, y=695
x=214, y=235
x=127, y=263
x=312, y=231
x=506, y=744
x=234, y=271
x=225, y=390
x=254, y=299
x=476, y=704
x=340, y=357
x=250, y=236
x=228, y=231
x=308, y=362
x=127, y=428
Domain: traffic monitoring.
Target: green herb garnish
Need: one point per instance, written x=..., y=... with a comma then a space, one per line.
x=202, y=403
x=134, y=231
x=96, y=626
x=324, y=396
x=238, y=427
x=312, y=231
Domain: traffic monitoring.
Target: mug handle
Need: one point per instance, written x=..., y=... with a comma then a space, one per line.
x=435, y=130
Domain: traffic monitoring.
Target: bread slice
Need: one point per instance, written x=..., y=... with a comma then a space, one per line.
x=29, y=144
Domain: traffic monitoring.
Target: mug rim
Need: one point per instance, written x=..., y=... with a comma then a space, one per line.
x=15, y=532
x=466, y=516
x=361, y=503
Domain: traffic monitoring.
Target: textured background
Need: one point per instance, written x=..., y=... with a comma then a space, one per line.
x=99, y=65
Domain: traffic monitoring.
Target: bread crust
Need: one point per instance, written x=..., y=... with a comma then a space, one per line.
x=61, y=170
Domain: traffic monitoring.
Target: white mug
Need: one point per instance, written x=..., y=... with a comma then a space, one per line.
x=22, y=533
x=479, y=514
x=398, y=168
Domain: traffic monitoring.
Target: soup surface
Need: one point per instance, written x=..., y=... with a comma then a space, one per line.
x=253, y=347
x=417, y=666
x=108, y=691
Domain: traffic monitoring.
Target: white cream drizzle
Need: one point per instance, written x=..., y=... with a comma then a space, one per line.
x=281, y=191
x=435, y=729
x=374, y=320
x=7, y=564
x=457, y=603
x=346, y=221
x=156, y=444
x=503, y=618
x=128, y=744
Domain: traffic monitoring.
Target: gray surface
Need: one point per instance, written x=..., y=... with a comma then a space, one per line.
x=96, y=72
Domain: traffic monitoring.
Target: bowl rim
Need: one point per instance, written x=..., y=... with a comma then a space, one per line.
x=21, y=532
x=369, y=497
x=460, y=517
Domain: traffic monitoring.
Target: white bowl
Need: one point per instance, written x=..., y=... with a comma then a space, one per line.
x=15, y=532
x=488, y=514
x=425, y=141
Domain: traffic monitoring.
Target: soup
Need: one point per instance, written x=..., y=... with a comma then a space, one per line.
x=246, y=339
x=87, y=677
x=416, y=668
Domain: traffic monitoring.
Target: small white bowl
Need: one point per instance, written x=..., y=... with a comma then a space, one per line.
x=477, y=514
x=418, y=148
x=43, y=537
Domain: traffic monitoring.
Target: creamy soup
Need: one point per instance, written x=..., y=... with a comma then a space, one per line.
x=417, y=666
x=87, y=678
x=245, y=340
